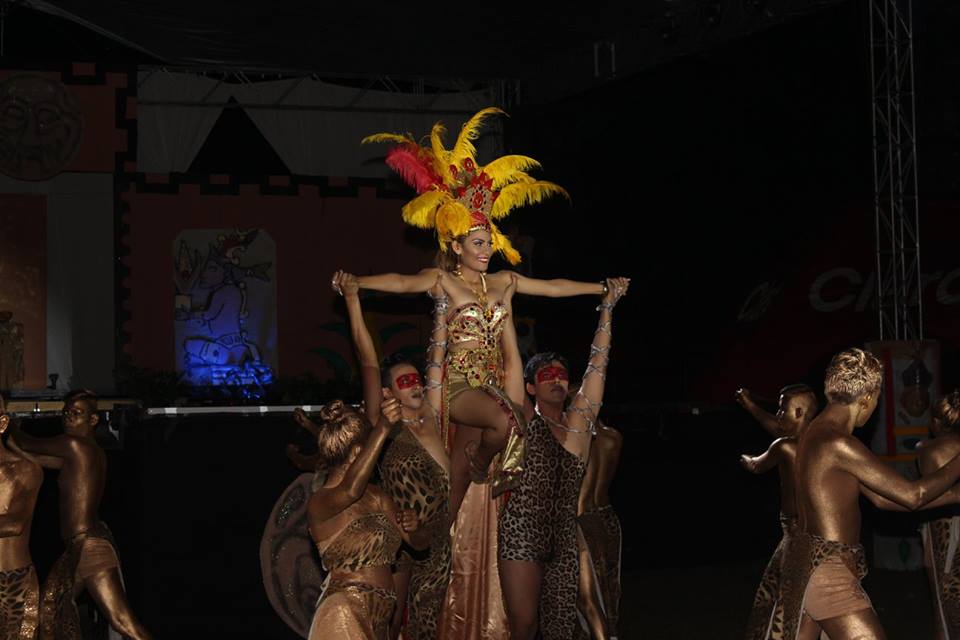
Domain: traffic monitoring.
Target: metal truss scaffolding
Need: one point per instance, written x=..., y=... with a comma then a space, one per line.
x=895, y=170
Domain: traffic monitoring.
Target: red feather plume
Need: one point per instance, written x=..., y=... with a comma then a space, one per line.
x=414, y=167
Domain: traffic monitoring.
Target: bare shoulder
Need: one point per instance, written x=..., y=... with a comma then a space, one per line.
x=787, y=446
x=825, y=441
x=29, y=472
x=501, y=278
x=609, y=436
x=24, y=471
x=82, y=447
x=316, y=502
x=937, y=452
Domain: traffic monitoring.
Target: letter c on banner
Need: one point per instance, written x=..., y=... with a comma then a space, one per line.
x=816, y=289
x=944, y=295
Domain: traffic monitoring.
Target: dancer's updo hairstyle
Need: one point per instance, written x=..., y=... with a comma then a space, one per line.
x=342, y=429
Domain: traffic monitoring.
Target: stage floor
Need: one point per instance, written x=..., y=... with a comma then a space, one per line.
x=712, y=602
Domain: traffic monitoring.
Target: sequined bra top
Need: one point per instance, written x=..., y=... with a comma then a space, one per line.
x=470, y=322
x=369, y=541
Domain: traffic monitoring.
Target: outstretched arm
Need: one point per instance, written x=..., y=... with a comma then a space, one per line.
x=766, y=460
x=346, y=284
x=47, y=462
x=437, y=349
x=860, y=462
x=585, y=407
x=400, y=283
x=766, y=419
x=556, y=288
x=56, y=446
x=951, y=496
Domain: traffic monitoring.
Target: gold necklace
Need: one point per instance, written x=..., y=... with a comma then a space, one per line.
x=481, y=295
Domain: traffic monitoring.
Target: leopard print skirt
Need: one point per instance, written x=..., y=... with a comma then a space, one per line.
x=941, y=539
x=802, y=553
x=19, y=604
x=769, y=589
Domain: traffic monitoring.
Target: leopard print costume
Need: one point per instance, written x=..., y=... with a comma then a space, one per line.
x=19, y=604
x=769, y=589
x=802, y=553
x=937, y=538
x=539, y=524
x=414, y=480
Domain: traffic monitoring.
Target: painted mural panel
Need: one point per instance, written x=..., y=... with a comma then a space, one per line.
x=225, y=307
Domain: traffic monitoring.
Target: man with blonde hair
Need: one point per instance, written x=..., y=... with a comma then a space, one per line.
x=824, y=561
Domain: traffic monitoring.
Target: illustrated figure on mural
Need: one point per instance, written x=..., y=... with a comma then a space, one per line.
x=213, y=299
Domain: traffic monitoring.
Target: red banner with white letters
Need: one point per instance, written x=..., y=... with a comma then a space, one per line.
x=787, y=328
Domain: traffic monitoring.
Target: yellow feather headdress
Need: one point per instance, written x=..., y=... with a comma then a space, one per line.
x=455, y=195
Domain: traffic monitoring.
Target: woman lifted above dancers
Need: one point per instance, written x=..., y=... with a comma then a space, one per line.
x=462, y=201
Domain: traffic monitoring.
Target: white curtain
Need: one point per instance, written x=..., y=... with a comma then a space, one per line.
x=169, y=136
x=327, y=142
x=321, y=141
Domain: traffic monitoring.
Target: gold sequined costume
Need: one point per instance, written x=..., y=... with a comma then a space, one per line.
x=414, y=480
x=474, y=607
x=481, y=367
x=351, y=609
x=19, y=604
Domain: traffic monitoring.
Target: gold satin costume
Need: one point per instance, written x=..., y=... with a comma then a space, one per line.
x=941, y=539
x=350, y=609
x=820, y=577
x=88, y=553
x=19, y=604
x=474, y=608
x=601, y=532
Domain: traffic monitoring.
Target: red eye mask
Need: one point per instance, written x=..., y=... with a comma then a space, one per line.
x=408, y=380
x=547, y=374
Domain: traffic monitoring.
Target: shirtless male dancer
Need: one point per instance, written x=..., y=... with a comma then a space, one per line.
x=20, y=479
x=598, y=596
x=90, y=561
x=796, y=408
x=823, y=560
